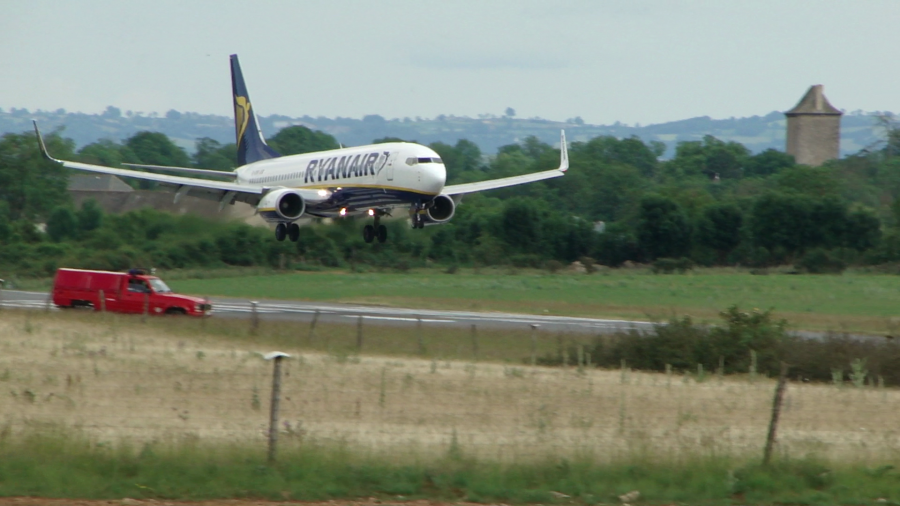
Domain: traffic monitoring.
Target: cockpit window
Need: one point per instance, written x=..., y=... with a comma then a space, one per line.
x=430, y=160
x=411, y=161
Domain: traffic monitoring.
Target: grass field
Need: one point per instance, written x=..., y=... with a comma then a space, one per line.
x=176, y=402
x=864, y=303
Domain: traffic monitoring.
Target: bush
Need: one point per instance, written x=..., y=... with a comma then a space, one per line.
x=553, y=266
x=670, y=265
x=683, y=344
x=821, y=261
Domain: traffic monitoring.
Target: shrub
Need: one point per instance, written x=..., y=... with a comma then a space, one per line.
x=553, y=266
x=670, y=265
x=821, y=261
x=683, y=344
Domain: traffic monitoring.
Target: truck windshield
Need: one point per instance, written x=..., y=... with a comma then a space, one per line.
x=159, y=286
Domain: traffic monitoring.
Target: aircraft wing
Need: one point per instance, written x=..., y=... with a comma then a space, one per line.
x=461, y=189
x=186, y=170
x=224, y=191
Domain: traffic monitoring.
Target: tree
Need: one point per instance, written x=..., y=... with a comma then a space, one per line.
x=155, y=148
x=61, y=224
x=813, y=181
x=510, y=112
x=106, y=152
x=720, y=228
x=863, y=230
x=780, y=223
x=90, y=216
x=465, y=156
x=211, y=154
x=709, y=157
x=767, y=163
x=631, y=151
x=663, y=229
x=297, y=139
x=385, y=140
x=30, y=185
x=520, y=225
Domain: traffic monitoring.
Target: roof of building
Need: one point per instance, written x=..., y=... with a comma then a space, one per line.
x=814, y=102
x=97, y=183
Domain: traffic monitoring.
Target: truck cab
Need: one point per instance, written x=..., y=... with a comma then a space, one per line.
x=135, y=291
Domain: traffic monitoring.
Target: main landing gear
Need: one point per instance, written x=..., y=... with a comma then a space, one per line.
x=290, y=230
x=376, y=231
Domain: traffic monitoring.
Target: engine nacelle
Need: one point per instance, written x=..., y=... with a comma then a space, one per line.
x=279, y=206
x=441, y=210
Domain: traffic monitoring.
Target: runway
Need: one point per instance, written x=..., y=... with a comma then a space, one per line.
x=299, y=311
x=284, y=310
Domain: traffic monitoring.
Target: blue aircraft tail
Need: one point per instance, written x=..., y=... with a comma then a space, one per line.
x=251, y=146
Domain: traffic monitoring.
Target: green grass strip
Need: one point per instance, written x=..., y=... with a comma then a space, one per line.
x=54, y=463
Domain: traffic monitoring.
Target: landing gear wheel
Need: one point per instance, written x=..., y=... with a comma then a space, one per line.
x=381, y=233
x=293, y=232
x=280, y=231
x=368, y=233
x=419, y=221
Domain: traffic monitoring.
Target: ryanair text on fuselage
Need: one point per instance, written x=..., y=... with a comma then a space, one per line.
x=341, y=167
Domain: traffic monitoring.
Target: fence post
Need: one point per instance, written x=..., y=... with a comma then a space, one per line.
x=359, y=333
x=146, y=306
x=2, y=283
x=276, y=356
x=254, y=317
x=474, y=342
x=49, y=301
x=534, y=327
x=419, y=336
x=102, y=301
x=312, y=326
x=776, y=411
x=580, y=358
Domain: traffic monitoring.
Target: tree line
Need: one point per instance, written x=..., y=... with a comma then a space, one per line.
x=713, y=203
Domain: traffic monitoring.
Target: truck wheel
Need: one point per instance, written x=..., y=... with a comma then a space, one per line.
x=176, y=311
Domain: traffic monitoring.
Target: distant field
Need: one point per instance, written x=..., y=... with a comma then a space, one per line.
x=851, y=302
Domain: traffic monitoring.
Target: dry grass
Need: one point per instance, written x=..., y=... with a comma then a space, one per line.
x=117, y=379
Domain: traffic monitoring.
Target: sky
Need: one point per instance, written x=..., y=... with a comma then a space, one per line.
x=633, y=61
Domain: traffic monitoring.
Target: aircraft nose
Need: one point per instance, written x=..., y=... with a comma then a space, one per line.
x=433, y=178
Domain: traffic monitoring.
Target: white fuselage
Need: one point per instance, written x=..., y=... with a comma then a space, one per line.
x=395, y=168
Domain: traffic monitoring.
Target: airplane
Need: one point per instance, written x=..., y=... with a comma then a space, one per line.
x=368, y=180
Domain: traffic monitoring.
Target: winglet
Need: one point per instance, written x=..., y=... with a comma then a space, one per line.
x=563, y=152
x=41, y=145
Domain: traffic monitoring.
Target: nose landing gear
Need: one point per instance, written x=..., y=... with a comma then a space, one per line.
x=417, y=215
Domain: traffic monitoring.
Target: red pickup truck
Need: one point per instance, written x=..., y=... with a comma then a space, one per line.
x=123, y=292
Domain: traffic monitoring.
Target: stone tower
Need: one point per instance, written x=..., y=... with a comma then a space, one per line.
x=814, y=129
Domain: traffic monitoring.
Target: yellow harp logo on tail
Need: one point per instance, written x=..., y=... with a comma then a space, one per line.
x=241, y=116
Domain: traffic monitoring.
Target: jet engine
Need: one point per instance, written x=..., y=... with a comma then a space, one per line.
x=441, y=210
x=279, y=206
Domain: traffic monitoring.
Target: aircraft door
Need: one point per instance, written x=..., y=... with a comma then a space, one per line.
x=392, y=159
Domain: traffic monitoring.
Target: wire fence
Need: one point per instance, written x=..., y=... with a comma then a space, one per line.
x=140, y=383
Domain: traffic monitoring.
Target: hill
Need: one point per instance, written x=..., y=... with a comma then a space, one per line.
x=489, y=132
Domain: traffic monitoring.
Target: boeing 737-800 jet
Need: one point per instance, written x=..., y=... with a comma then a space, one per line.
x=366, y=180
